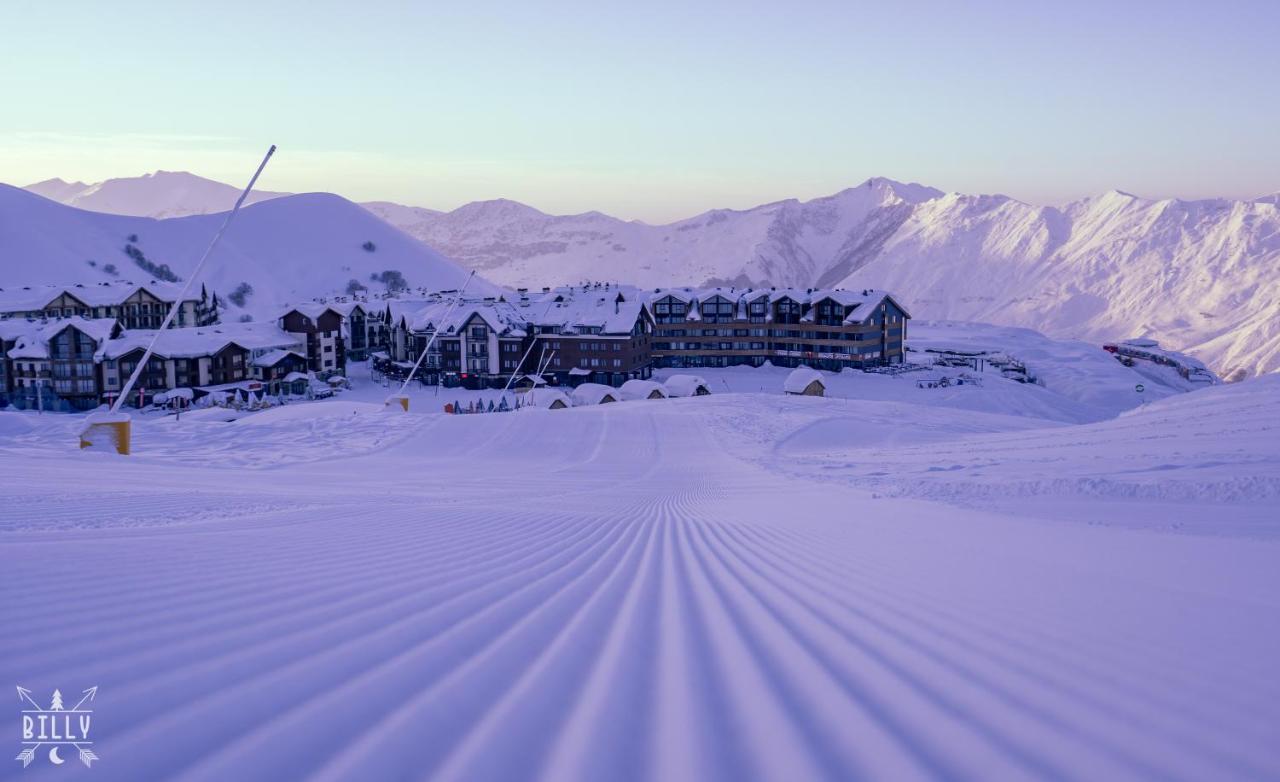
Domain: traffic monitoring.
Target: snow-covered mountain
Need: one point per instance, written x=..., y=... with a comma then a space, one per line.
x=285, y=249
x=783, y=243
x=1200, y=276
x=162, y=194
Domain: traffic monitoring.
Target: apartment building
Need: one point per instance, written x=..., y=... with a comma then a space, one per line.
x=574, y=334
x=830, y=329
x=52, y=364
x=135, y=306
x=320, y=327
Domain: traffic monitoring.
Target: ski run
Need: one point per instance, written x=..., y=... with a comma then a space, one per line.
x=888, y=582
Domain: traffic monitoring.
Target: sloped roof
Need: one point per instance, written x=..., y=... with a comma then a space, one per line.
x=200, y=341
x=275, y=357
x=641, y=389
x=33, y=342
x=35, y=297
x=593, y=394
x=685, y=385
x=800, y=378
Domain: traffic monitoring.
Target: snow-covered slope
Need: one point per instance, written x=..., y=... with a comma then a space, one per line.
x=162, y=194
x=1201, y=276
x=287, y=249
x=736, y=586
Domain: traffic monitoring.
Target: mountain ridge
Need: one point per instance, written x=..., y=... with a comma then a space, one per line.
x=1200, y=275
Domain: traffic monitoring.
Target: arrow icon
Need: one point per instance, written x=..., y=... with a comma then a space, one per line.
x=89, y=695
x=25, y=694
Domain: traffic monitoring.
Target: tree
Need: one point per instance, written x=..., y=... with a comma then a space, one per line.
x=57, y=701
x=241, y=294
x=369, y=247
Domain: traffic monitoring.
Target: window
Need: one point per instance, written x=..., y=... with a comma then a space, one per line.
x=617, y=362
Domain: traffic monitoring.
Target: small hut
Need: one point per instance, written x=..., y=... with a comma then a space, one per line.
x=593, y=394
x=545, y=398
x=527, y=382
x=686, y=385
x=641, y=389
x=804, y=381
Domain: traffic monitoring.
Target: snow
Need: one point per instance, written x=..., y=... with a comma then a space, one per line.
x=288, y=249
x=161, y=194
x=800, y=378
x=640, y=389
x=684, y=385
x=545, y=398
x=593, y=394
x=745, y=585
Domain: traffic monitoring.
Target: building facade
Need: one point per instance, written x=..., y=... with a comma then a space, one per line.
x=134, y=306
x=570, y=335
x=319, y=328
x=830, y=329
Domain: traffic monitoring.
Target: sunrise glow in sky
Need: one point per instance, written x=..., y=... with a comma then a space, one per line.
x=654, y=110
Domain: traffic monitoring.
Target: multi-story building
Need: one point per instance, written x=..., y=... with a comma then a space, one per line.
x=52, y=365
x=200, y=357
x=573, y=335
x=824, y=328
x=135, y=306
x=320, y=328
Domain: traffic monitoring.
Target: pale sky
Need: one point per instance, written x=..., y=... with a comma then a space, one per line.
x=654, y=110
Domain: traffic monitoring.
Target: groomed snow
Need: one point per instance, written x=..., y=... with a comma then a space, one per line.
x=909, y=584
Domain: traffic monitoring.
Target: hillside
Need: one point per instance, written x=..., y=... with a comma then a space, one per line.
x=162, y=194
x=287, y=249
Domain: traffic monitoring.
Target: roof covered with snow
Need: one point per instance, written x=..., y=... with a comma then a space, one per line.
x=102, y=294
x=590, y=309
x=594, y=394
x=31, y=338
x=859, y=304
x=201, y=341
x=685, y=385
x=800, y=378
x=641, y=389
x=544, y=397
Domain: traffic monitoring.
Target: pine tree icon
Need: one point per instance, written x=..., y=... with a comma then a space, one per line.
x=57, y=701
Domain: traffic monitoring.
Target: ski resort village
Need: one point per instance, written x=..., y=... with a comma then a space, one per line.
x=640, y=392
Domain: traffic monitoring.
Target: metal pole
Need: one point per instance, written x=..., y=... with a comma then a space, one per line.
x=436, y=333
x=173, y=310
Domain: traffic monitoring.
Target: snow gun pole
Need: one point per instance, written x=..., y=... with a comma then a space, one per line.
x=399, y=396
x=511, y=379
x=116, y=425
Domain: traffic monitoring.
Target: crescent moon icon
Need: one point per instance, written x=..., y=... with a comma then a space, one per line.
x=53, y=757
